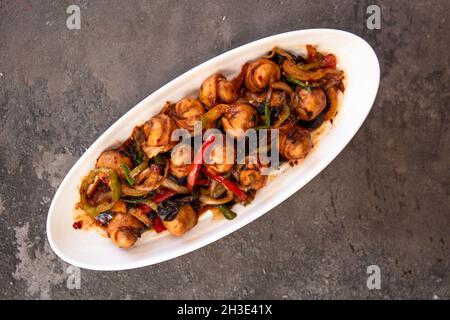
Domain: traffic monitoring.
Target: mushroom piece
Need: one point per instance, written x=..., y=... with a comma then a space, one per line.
x=217, y=89
x=184, y=221
x=158, y=131
x=250, y=177
x=237, y=116
x=112, y=159
x=260, y=74
x=180, y=161
x=308, y=104
x=124, y=230
x=186, y=112
x=294, y=142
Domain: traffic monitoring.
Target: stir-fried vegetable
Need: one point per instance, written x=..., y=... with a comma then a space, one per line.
x=283, y=116
x=296, y=72
x=138, y=200
x=298, y=82
x=266, y=111
x=157, y=224
x=148, y=205
x=127, y=174
x=216, y=201
x=138, y=169
x=227, y=212
x=90, y=189
x=172, y=185
x=227, y=183
x=198, y=160
x=333, y=100
x=166, y=194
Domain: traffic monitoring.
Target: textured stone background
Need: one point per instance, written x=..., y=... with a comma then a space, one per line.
x=384, y=200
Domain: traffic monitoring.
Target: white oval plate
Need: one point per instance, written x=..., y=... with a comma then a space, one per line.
x=91, y=251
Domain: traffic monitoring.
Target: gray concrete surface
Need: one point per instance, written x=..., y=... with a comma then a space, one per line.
x=383, y=201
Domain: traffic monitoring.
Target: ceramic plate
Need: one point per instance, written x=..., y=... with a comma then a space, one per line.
x=91, y=251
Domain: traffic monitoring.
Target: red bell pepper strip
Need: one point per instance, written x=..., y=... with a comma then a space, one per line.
x=227, y=183
x=202, y=182
x=163, y=196
x=329, y=61
x=158, y=225
x=145, y=209
x=198, y=160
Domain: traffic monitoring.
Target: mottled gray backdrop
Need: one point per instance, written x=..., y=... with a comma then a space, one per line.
x=383, y=201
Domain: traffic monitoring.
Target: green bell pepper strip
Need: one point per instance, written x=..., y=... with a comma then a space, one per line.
x=266, y=112
x=138, y=200
x=298, y=82
x=127, y=173
x=138, y=169
x=227, y=212
x=114, y=186
x=306, y=85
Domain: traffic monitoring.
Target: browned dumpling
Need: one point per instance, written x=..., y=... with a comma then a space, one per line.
x=158, y=131
x=124, y=230
x=294, y=143
x=185, y=220
x=221, y=158
x=180, y=161
x=251, y=178
x=217, y=89
x=309, y=104
x=260, y=74
x=187, y=112
x=237, y=116
x=113, y=159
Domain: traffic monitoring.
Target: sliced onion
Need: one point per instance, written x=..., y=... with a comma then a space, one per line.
x=282, y=86
x=296, y=72
x=281, y=52
x=104, y=197
x=138, y=169
x=333, y=98
x=133, y=192
x=93, y=186
x=166, y=167
x=213, y=201
x=139, y=214
x=217, y=190
x=284, y=115
x=171, y=185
